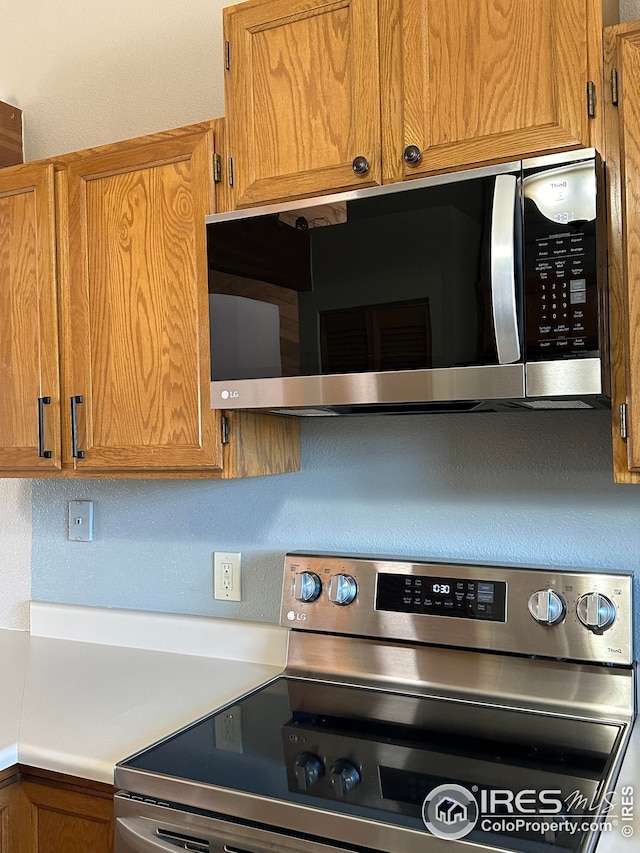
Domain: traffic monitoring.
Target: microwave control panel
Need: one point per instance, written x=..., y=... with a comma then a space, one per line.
x=561, y=296
x=561, y=262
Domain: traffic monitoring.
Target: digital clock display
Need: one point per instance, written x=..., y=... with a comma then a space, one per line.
x=464, y=598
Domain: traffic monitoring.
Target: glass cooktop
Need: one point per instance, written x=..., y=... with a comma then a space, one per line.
x=396, y=759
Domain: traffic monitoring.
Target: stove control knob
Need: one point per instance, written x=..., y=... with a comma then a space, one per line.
x=547, y=607
x=306, y=586
x=342, y=589
x=345, y=776
x=308, y=769
x=596, y=611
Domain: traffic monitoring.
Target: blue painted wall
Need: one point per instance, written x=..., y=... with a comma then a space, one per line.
x=518, y=488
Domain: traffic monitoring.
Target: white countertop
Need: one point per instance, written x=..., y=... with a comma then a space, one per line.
x=78, y=707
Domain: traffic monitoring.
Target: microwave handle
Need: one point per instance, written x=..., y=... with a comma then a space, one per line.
x=503, y=264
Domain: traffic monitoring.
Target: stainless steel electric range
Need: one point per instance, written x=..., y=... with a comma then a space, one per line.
x=424, y=707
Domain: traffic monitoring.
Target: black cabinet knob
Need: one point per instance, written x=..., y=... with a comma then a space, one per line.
x=411, y=155
x=360, y=165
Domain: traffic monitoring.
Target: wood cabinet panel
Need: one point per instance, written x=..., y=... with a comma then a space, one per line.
x=623, y=183
x=9, y=817
x=484, y=81
x=302, y=94
x=104, y=297
x=28, y=320
x=135, y=301
x=10, y=135
x=64, y=818
x=467, y=82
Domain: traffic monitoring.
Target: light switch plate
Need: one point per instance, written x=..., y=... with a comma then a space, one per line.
x=81, y=521
x=226, y=576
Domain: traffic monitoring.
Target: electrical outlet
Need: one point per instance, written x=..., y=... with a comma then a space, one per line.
x=81, y=521
x=226, y=576
x=227, y=729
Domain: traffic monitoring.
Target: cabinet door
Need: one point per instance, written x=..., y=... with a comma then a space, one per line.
x=135, y=308
x=9, y=819
x=56, y=820
x=302, y=94
x=623, y=184
x=29, y=381
x=484, y=80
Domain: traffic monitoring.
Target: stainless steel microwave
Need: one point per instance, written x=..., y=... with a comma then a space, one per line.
x=478, y=290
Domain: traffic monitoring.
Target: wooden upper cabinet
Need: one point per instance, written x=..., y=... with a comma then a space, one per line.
x=29, y=382
x=622, y=64
x=135, y=307
x=302, y=95
x=459, y=83
x=487, y=80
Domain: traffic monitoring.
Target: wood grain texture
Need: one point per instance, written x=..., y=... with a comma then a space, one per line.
x=28, y=318
x=485, y=81
x=136, y=305
x=59, y=819
x=616, y=275
x=629, y=87
x=9, y=798
x=261, y=444
x=10, y=135
x=302, y=97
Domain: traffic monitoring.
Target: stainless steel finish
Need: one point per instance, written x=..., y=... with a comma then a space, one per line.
x=365, y=192
x=496, y=382
x=547, y=607
x=573, y=377
x=558, y=159
x=342, y=590
x=565, y=194
x=596, y=611
x=306, y=586
x=562, y=697
x=503, y=261
x=623, y=420
x=552, y=686
x=520, y=633
x=137, y=825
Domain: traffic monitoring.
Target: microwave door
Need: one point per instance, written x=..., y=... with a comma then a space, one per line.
x=503, y=266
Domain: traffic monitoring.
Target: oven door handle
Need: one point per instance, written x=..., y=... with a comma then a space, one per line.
x=503, y=265
x=133, y=836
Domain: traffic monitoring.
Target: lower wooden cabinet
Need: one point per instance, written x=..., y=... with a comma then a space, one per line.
x=9, y=791
x=42, y=812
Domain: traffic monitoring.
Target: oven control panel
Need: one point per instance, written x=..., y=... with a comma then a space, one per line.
x=552, y=612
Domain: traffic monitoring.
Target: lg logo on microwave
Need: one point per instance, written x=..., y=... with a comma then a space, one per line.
x=229, y=395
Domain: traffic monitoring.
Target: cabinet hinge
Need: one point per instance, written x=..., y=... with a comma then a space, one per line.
x=230, y=171
x=217, y=168
x=224, y=426
x=591, y=99
x=623, y=421
x=614, y=87
x=227, y=56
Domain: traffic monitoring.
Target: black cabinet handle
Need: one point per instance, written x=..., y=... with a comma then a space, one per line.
x=411, y=155
x=77, y=454
x=360, y=165
x=42, y=402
